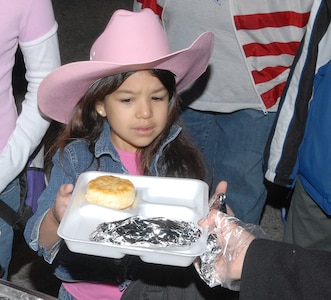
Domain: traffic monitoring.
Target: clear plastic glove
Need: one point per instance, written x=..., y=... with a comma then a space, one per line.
x=229, y=239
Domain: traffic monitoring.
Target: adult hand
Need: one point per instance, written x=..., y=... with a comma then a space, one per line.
x=227, y=244
x=278, y=196
x=233, y=240
x=220, y=189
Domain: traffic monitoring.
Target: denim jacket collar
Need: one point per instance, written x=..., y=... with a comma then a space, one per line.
x=105, y=146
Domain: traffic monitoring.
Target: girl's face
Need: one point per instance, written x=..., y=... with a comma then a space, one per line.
x=137, y=111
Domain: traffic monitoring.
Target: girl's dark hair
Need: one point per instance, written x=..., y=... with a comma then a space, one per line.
x=181, y=157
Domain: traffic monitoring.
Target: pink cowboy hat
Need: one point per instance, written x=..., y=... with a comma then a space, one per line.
x=132, y=41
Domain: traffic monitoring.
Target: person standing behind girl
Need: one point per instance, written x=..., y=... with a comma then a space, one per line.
x=31, y=26
x=231, y=107
x=121, y=112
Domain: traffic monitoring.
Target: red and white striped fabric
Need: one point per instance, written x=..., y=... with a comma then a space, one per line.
x=152, y=4
x=267, y=30
x=269, y=33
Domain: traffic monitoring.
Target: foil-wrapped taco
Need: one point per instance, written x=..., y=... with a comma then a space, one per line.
x=147, y=232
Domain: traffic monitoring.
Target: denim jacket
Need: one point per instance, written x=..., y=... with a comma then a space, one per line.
x=77, y=159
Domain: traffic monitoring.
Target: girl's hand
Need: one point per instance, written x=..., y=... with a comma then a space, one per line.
x=62, y=200
x=48, y=229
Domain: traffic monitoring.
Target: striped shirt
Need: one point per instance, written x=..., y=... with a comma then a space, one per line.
x=263, y=37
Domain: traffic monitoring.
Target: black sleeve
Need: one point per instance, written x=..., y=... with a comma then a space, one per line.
x=277, y=270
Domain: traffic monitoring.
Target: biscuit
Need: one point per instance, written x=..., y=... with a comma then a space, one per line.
x=111, y=191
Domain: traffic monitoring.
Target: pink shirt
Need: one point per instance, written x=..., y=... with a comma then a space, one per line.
x=103, y=291
x=129, y=160
x=93, y=291
x=31, y=25
x=20, y=22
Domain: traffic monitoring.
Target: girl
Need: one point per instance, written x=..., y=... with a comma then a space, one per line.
x=121, y=109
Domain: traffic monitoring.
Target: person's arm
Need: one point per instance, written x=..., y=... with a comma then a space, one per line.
x=267, y=269
x=41, y=229
x=38, y=41
x=48, y=229
x=276, y=270
x=40, y=59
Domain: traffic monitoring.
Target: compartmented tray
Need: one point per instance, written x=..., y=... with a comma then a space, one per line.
x=172, y=198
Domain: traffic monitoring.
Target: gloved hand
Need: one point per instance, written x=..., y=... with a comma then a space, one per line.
x=232, y=238
x=278, y=196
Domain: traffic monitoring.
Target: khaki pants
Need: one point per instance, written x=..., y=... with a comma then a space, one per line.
x=307, y=225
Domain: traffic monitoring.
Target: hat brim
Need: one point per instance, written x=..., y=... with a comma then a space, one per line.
x=60, y=91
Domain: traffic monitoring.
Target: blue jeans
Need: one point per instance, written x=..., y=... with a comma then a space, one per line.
x=64, y=294
x=11, y=196
x=233, y=146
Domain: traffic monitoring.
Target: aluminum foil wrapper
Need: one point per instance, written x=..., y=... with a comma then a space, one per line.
x=147, y=232
x=205, y=263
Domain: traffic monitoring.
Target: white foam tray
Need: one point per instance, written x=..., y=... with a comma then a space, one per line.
x=172, y=198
